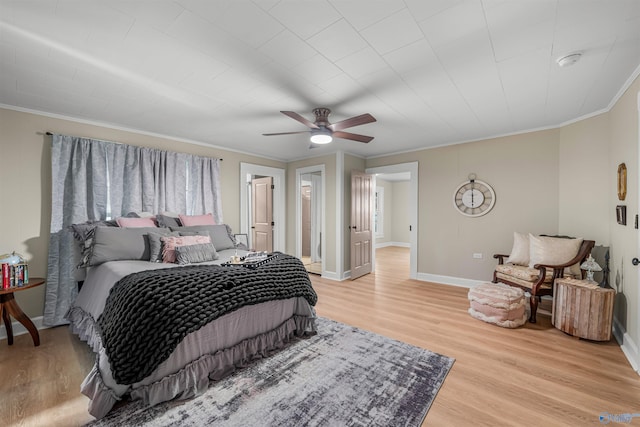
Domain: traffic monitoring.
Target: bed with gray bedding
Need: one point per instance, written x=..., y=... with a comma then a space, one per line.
x=210, y=351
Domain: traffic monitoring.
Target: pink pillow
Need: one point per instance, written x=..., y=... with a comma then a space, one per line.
x=136, y=222
x=170, y=243
x=189, y=220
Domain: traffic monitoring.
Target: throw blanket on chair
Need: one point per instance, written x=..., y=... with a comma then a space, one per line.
x=148, y=313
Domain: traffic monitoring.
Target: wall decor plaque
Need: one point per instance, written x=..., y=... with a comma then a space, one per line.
x=622, y=181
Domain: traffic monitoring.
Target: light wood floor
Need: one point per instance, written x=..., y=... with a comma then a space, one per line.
x=530, y=376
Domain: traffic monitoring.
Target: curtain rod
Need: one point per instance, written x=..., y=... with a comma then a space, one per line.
x=51, y=134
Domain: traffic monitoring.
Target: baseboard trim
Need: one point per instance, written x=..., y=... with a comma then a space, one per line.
x=627, y=345
x=18, y=329
x=331, y=275
x=449, y=280
x=386, y=244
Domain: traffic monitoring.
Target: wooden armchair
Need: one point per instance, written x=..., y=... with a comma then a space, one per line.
x=539, y=279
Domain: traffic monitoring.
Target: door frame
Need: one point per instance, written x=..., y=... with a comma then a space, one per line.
x=248, y=170
x=412, y=168
x=323, y=243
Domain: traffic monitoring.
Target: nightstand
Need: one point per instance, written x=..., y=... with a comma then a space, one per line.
x=9, y=307
x=583, y=309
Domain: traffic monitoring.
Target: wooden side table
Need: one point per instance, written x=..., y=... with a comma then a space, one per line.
x=583, y=309
x=9, y=307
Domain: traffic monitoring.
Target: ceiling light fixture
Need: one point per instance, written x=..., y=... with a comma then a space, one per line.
x=321, y=136
x=568, y=60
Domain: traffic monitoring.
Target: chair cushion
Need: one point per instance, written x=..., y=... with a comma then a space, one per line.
x=498, y=304
x=522, y=283
x=523, y=273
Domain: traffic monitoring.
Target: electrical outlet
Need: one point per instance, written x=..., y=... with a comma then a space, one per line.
x=477, y=255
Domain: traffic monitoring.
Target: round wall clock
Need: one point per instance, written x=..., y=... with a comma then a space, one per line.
x=473, y=197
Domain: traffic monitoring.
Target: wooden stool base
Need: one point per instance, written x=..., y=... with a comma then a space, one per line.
x=583, y=309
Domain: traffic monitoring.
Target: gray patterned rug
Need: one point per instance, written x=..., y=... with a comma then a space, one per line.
x=343, y=376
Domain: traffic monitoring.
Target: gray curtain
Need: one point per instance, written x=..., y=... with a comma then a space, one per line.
x=97, y=180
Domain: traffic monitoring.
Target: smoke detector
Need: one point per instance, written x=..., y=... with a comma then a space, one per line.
x=568, y=60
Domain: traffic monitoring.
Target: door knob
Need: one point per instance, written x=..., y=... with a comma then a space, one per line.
x=635, y=261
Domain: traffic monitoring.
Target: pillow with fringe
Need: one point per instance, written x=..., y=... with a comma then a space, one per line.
x=171, y=242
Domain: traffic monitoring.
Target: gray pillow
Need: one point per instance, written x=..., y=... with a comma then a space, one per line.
x=221, y=234
x=116, y=244
x=196, y=253
x=85, y=230
x=83, y=233
x=167, y=221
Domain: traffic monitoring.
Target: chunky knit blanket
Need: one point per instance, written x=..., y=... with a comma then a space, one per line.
x=148, y=313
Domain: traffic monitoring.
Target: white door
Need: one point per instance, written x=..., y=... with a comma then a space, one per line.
x=262, y=214
x=361, y=224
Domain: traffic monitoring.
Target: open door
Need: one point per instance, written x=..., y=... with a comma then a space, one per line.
x=361, y=233
x=262, y=214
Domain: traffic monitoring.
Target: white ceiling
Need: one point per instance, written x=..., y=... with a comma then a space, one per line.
x=432, y=72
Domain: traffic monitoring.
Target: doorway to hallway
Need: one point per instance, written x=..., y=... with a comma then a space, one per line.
x=411, y=169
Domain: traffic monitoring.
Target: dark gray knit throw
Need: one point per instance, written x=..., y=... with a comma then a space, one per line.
x=148, y=313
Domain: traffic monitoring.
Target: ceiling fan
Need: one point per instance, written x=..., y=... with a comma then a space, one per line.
x=323, y=132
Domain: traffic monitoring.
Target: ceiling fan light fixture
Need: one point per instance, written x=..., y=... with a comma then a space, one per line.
x=322, y=132
x=321, y=136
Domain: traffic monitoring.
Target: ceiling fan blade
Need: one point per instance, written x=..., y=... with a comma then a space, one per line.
x=353, y=121
x=298, y=117
x=352, y=136
x=284, y=133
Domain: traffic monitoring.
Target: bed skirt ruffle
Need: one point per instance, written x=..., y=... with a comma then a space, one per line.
x=84, y=326
x=193, y=379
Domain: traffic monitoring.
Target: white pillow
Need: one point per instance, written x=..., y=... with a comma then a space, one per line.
x=553, y=251
x=520, y=251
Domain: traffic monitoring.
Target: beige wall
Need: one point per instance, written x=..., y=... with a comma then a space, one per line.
x=590, y=152
x=522, y=169
x=584, y=180
x=624, y=140
x=399, y=227
x=387, y=207
x=25, y=183
x=396, y=214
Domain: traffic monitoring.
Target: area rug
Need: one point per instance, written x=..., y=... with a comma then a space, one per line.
x=343, y=376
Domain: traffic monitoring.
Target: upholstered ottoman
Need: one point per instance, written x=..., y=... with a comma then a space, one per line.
x=499, y=304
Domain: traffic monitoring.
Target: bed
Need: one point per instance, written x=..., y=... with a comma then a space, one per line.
x=255, y=310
